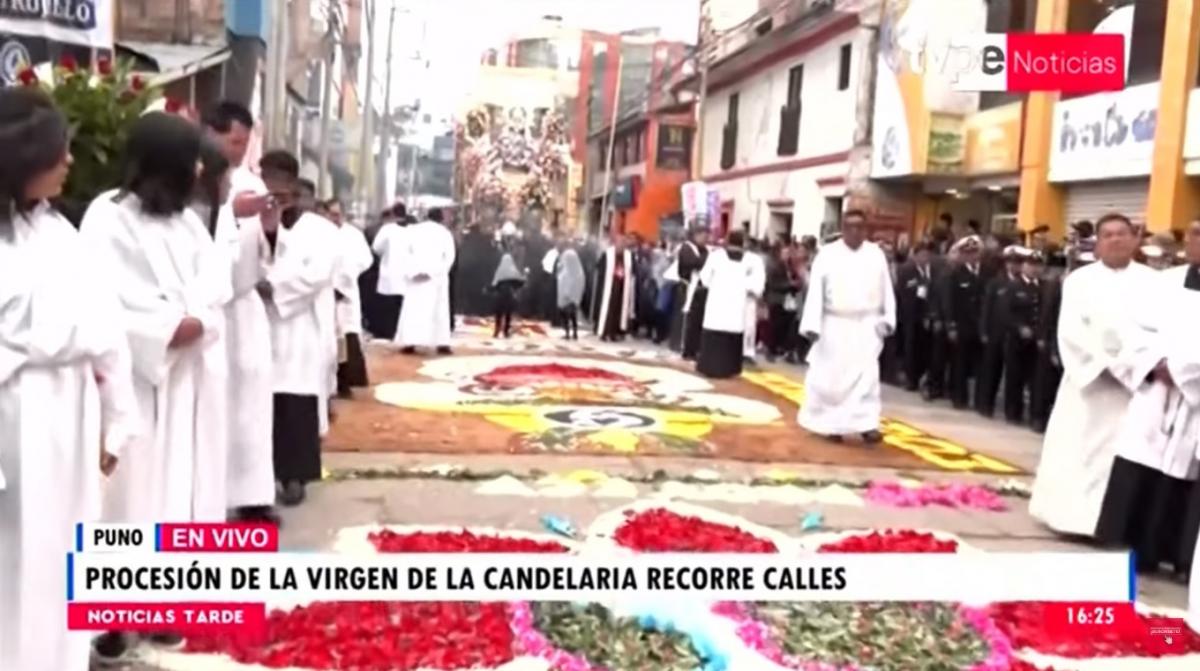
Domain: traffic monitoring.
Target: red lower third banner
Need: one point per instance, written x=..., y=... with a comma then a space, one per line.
x=244, y=620
x=1098, y=622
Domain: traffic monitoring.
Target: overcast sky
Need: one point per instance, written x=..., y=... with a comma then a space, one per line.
x=458, y=31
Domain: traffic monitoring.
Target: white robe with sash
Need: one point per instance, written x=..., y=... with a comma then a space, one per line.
x=301, y=277
x=251, y=480
x=850, y=307
x=750, y=310
x=1162, y=425
x=354, y=261
x=165, y=269
x=627, y=295
x=1108, y=346
x=66, y=389
x=427, y=249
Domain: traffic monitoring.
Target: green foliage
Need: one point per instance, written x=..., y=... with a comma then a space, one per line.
x=100, y=107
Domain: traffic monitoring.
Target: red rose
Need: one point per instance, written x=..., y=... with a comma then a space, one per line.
x=137, y=83
x=660, y=530
x=173, y=106
x=104, y=66
x=68, y=63
x=891, y=540
x=27, y=77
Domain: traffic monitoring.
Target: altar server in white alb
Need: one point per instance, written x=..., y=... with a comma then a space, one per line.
x=616, y=284
x=1108, y=347
x=733, y=279
x=750, y=311
x=355, y=259
x=67, y=411
x=427, y=254
x=299, y=274
x=173, y=281
x=850, y=310
x=251, y=482
x=389, y=246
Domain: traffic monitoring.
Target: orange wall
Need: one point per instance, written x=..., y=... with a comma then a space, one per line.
x=660, y=195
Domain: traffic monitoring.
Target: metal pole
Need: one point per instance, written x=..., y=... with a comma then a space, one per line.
x=605, y=218
x=326, y=94
x=702, y=47
x=364, y=150
x=385, y=134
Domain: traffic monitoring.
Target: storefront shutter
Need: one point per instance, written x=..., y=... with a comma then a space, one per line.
x=1091, y=200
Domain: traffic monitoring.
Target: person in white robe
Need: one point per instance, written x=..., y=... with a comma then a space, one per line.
x=67, y=411
x=616, y=287
x=750, y=337
x=734, y=279
x=571, y=282
x=849, y=311
x=426, y=256
x=299, y=275
x=355, y=259
x=306, y=204
x=1107, y=348
x=390, y=245
x=172, y=281
x=251, y=481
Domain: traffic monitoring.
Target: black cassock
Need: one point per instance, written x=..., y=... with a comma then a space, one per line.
x=687, y=327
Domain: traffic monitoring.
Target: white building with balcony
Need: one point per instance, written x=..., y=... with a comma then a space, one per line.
x=779, y=119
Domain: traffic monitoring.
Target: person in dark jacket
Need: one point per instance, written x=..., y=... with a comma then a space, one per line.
x=1048, y=371
x=992, y=329
x=962, y=305
x=914, y=289
x=1023, y=309
x=779, y=295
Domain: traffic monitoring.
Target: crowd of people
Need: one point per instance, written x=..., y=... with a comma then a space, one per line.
x=174, y=355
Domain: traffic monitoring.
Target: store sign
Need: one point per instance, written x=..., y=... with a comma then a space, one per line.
x=1104, y=136
x=1191, y=138
x=84, y=22
x=947, y=144
x=993, y=143
x=674, y=148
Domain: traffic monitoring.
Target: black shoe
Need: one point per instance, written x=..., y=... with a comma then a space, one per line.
x=791, y=358
x=446, y=350
x=408, y=350
x=166, y=641
x=111, y=649
x=260, y=514
x=872, y=437
x=293, y=493
x=834, y=439
x=748, y=362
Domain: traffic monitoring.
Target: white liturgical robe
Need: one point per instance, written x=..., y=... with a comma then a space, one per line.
x=301, y=277
x=66, y=389
x=851, y=308
x=354, y=261
x=750, y=309
x=1108, y=346
x=731, y=285
x=251, y=480
x=165, y=269
x=1162, y=425
x=427, y=249
x=390, y=247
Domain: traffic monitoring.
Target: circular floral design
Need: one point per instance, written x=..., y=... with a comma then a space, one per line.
x=661, y=530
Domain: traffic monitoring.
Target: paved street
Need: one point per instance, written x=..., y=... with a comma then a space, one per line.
x=514, y=491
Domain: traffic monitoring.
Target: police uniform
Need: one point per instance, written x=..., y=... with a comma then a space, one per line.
x=914, y=291
x=1023, y=306
x=994, y=328
x=962, y=303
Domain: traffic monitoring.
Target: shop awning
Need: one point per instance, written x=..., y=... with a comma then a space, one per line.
x=172, y=62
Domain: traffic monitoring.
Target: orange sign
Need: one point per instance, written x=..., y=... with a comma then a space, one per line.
x=994, y=140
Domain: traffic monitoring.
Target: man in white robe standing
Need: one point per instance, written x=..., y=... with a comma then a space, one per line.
x=849, y=310
x=355, y=259
x=299, y=275
x=389, y=246
x=251, y=486
x=1107, y=350
x=67, y=409
x=750, y=336
x=427, y=254
x=734, y=279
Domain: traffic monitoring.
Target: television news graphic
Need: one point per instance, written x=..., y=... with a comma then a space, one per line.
x=1024, y=62
x=133, y=538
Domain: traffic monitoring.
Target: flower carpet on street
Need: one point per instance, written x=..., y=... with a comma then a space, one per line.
x=591, y=399
x=665, y=635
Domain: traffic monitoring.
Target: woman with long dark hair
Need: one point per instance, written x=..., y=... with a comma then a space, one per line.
x=173, y=283
x=66, y=398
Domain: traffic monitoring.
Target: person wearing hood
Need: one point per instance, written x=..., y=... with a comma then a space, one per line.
x=571, y=281
x=506, y=282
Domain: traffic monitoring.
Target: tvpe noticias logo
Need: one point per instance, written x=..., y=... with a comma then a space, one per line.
x=1021, y=62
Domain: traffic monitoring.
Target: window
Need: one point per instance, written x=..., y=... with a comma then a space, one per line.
x=729, y=135
x=733, y=110
x=795, y=83
x=1146, y=45
x=844, y=67
x=764, y=27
